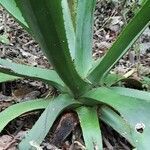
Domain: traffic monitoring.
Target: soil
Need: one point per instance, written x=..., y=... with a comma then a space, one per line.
x=109, y=19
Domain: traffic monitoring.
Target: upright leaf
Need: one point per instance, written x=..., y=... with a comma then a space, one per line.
x=84, y=32
x=70, y=32
x=73, y=10
x=90, y=127
x=128, y=36
x=46, y=120
x=46, y=20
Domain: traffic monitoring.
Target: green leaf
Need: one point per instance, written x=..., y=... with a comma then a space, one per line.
x=19, y=70
x=111, y=79
x=73, y=10
x=84, y=32
x=46, y=20
x=10, y=6
x=4, y=39
x=70, y=33
x=5, y=77
x=132, y=93
x=146, y=82
x=46, y=120
x=111, y=118
x=141, y=2
x=135, y=111
x=90, y=127
x=128, y=36
x=16, y=110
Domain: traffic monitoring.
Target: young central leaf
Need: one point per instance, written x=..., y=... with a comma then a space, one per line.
x=84, y=32
x=46, y=20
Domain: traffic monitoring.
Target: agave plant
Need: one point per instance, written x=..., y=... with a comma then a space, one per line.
x=64, y=31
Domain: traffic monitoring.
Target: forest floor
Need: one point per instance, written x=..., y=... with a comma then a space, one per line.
x=19, y=47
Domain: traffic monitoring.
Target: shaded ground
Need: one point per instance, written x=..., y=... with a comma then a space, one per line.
x=110, y=17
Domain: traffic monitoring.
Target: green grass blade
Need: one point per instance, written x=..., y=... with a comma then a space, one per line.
x=16, y=110
x=132, y=93
x=10, y=6
x=19, y=70
x=46, y=20
x=111, y=118
x=84, y=32
x=46, y=120
x=5, y=77
x=70, y=33
x=90, y=127
x=135, y=111
x=128, y=36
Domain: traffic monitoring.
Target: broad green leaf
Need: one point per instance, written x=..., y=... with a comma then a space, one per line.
x=46, y=120
x=135, y=111
x=90, y=127
x=5, y=77
x=70, y=33
x=111, y=118
x=10, y=6
x=84, y=32
x=19, y=70
x=132, y=93
x=128, y=36
x=16, y=110
x=46, y=20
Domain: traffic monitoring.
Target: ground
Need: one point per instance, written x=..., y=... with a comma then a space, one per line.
x=109, y=19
